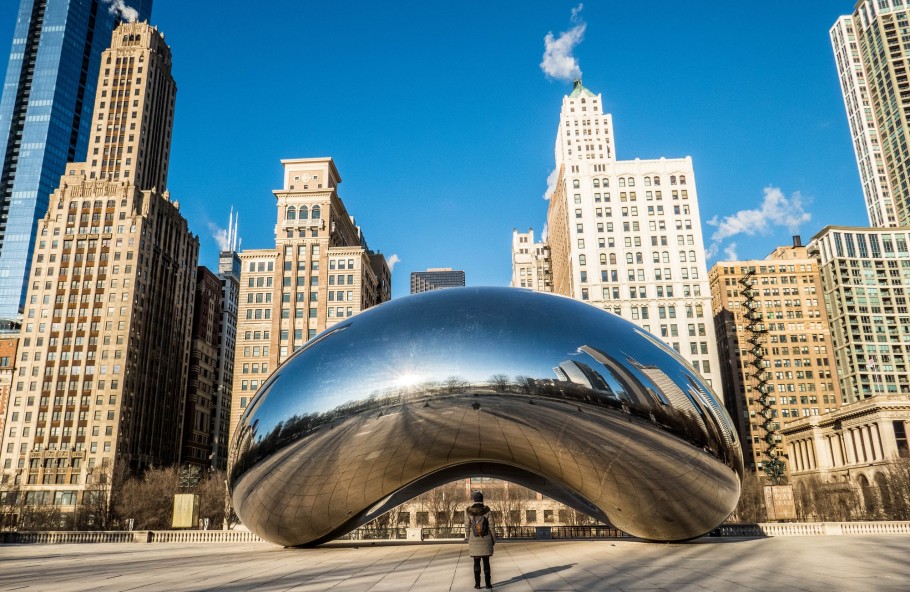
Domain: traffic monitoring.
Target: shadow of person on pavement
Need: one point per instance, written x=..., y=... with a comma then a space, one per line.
x=534, y=574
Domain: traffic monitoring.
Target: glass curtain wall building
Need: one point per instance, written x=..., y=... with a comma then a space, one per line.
x=45, y=116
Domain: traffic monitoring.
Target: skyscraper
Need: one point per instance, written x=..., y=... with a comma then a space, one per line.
x=872, y=60
x=530, y=262
x=626, y=236
x=45, y=115
x=791, y=336
x=229, y=275
x=106, y=337
x=436, y=278
x=320, y=273
x=201, y=384
x=866, y=279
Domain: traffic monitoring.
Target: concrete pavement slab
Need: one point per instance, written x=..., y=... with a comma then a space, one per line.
x=848, y=563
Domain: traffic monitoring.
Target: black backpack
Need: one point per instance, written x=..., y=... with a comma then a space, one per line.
x=480, y=526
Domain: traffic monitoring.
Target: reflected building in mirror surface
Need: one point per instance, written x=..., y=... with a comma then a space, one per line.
x=436, y=278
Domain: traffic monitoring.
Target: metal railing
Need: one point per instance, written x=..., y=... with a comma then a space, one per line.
x=442, y=532
x=586, y=532
x=375, y=534
x=601, y=532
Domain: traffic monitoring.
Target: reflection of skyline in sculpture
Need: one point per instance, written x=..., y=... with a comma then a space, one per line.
x=316, y=456
x=580, y=373
x=677, y=397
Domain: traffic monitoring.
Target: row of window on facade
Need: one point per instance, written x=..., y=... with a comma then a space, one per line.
x=303, y=213
x=639, y=292
x=630, y=181
x=626, y=211
x=656, y=257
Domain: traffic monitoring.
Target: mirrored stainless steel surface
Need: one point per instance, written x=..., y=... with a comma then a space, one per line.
x=541, y=390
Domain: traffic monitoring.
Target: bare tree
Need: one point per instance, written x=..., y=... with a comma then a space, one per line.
x=454, y=384
x=500, y=382
x=10, y=501
x=827, y=501
x=41, y=517
x=575, y=518
x=444, y=504
x=893, y=485
x=383, y=526
x=510, y=503
x=751, y=506
x=212, y=493
x=149, y=500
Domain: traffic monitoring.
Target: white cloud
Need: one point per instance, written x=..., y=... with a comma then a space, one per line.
x=576, y=11
x=558, y=61
x=551, y=183
x=392, y=261
x=119, y=8
x=220, y=235
x=776, y=210
x=730, y=252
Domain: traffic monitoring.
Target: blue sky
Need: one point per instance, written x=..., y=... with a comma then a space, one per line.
x=442, y=123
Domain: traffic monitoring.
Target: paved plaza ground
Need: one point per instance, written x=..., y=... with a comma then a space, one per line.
x=824, y=563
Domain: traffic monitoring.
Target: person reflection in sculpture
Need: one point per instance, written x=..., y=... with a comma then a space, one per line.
x=478, y=524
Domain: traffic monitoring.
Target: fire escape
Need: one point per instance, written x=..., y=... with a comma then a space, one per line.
x=756, y=335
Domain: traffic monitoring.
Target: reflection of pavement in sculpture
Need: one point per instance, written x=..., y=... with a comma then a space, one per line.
x=503, y=383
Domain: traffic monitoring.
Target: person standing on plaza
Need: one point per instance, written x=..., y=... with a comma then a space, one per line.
x=478, y=524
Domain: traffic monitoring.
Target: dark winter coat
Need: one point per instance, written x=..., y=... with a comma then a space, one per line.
x=479, y=546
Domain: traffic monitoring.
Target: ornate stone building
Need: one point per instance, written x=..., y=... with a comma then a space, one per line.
x=105, y=347
x=320, y=273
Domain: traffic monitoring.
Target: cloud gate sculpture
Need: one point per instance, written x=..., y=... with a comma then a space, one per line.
x=540, y=390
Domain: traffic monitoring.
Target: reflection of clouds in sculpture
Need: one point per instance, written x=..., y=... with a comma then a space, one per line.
x=537, y=389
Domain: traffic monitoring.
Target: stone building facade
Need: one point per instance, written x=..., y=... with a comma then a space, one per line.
x=105, y=348
x=319, y=273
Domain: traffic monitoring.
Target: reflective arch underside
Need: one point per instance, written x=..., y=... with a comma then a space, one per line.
x=592, y=431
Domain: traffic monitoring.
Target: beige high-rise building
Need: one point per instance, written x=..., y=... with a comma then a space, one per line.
x=9, y=343
x=625, y=235
x=793, y=334
x=872, y=59
x=106, y=335
x=320, y=272
x=530, y=262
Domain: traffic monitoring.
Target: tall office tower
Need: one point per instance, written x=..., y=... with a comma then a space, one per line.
x=201, y=386
x=229, y=275
x=625, y=235
x=872, y=61
x=436, y=278
x=866, y=279
x=105, y=351
x=791, y=329
x=320, y=273
x=530, y=262
x=45, y=115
